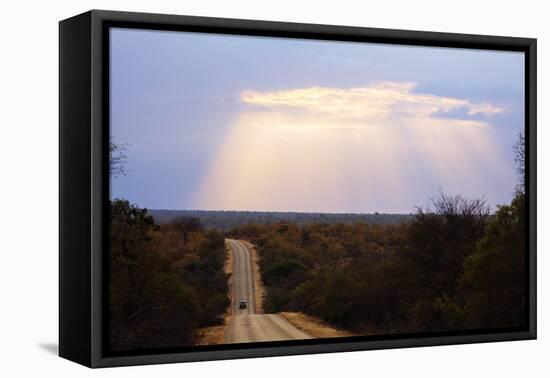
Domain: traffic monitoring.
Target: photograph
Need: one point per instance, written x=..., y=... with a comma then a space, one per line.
x=267, y=189
x=219, y=189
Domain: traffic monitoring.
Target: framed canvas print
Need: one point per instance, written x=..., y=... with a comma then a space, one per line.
x=234, y=188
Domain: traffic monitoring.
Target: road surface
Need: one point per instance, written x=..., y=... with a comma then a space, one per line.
x=245, y=325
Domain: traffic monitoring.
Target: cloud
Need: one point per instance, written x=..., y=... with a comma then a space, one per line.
x=376, y=148
x=374, y=102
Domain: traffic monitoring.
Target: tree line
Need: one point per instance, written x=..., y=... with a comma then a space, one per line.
x=454, y=266
x=225, y=220
x=165, y=281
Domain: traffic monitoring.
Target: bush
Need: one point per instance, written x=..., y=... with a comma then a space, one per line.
x=494, y=275
x=451, y=267
x=165, y=281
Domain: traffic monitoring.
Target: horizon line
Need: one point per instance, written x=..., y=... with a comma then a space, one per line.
x=283, y=211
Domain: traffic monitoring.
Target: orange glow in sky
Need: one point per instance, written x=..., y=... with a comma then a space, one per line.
x=311, y=149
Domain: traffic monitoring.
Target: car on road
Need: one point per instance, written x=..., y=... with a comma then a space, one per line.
x=242, y=304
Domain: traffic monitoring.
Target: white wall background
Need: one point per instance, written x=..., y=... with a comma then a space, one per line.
x=29, y=186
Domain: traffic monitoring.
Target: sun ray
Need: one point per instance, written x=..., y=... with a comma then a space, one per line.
x=346, y=150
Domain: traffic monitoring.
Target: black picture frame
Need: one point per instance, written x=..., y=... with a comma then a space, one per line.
x=84, y=184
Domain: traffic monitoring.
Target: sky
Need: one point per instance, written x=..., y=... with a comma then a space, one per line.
x=219, y=122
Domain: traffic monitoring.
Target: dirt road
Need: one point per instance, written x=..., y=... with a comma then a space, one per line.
x=245, y=325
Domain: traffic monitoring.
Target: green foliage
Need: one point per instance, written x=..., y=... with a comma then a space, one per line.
x=207, y=277
x=165, y=281
x=494, y=275
x=431, y=260
x=451, y=267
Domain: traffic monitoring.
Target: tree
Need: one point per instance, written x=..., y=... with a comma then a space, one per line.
x=159, y=297
x=431, y=262
x=149, y=306
x=494, y=275
x=117, y=159
x=130, y=226
x=186, y=225
x=439, y=239
x=519, y=150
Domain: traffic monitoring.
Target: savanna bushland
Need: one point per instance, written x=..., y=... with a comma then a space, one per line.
x=166, y=281
x=455, y=265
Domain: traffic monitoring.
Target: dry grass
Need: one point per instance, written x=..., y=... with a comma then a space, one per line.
x=213, y=335
x=228, y=268
x=313, y=326
x=259, y=290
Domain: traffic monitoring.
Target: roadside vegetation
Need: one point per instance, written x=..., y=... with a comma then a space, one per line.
x=453, y=267
x=166, y=281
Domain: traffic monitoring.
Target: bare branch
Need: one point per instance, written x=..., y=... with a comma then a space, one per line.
x=117, y=159
x=519, y=150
